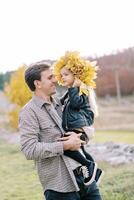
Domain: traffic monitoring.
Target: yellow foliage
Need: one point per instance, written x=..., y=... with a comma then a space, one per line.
x=13, y=117
x=82, y=69
x=18, y=93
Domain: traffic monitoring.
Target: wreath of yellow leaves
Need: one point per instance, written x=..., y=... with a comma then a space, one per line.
x=82, y=69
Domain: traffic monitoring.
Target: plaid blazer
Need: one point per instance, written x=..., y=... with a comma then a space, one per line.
x=40, y=127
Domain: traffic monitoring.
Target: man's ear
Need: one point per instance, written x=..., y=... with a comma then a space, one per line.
x=37, y=84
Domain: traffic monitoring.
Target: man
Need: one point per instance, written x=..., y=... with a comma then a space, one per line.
x=42, y=139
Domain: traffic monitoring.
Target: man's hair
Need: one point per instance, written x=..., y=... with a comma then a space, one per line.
x=33, y=72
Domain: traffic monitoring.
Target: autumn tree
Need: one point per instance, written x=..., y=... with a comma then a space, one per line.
x=18, y=93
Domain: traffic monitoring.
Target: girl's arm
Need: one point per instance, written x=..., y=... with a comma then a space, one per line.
x=76, y=100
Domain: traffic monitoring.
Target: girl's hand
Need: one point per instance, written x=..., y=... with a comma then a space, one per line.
x=77, y=83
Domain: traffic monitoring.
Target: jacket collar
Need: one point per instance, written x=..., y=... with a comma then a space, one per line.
x=41, y=102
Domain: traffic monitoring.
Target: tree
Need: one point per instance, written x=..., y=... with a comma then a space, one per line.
x=4, y=78
x=18, y=93
x=1, y=81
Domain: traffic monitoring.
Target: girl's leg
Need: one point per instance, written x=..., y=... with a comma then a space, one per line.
x=88, y=156
x=89, y=168
x=76, y=155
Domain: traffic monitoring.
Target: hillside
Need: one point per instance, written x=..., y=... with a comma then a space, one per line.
x=116, y=72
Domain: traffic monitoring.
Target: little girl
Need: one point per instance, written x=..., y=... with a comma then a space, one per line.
x=78, y=116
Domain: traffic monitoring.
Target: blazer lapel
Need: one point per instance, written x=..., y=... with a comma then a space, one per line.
x=55, y=117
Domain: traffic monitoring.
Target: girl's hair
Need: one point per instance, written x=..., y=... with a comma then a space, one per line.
x=92, y=101
x=82, y=69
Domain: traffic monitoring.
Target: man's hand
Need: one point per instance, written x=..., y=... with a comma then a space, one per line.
x=72, y=141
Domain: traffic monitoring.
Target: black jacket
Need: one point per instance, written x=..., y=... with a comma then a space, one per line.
x=76, y=112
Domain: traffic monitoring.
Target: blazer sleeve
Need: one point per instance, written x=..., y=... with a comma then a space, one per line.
x=30, y=143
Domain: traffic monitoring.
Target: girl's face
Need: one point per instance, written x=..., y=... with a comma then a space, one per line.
x=67, y=77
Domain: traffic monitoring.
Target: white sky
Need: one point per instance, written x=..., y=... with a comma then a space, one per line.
x=33, y=30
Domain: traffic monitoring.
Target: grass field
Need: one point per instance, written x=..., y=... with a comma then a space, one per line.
x=18, y=176
x=19, y=180
x=121, y=136
x=118, y=182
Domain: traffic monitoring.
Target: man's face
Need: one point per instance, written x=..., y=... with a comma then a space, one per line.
x=47, y=84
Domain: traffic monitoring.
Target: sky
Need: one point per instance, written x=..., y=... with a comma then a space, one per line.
x=34, y=30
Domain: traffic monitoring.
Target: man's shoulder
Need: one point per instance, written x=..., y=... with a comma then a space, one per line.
x=28, y=106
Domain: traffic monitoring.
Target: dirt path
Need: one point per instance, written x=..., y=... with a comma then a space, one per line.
x=113, y=153
x=12, y=138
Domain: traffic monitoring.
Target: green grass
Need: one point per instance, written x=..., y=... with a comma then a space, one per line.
x=120, y=136
x=118, y=182
x=18, y=176
x=19, y=180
